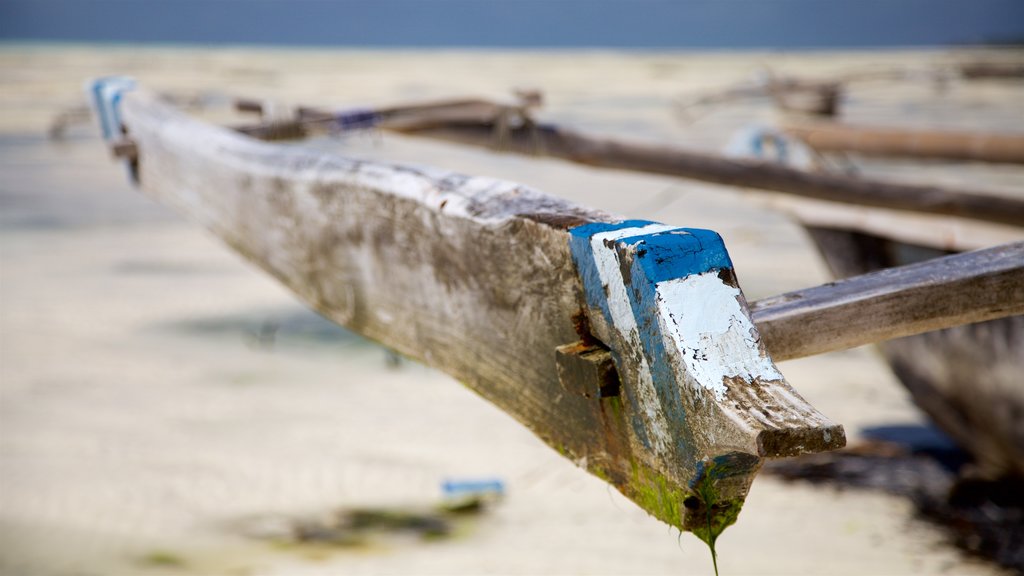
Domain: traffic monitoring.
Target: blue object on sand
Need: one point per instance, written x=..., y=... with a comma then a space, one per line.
x=473, y=487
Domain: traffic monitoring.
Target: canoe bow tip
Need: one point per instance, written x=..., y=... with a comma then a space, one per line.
x=788, y=442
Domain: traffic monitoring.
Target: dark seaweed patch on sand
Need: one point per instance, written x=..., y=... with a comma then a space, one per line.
x=984, y=518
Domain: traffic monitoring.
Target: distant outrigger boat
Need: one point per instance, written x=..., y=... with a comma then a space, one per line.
x=969, y=379
x=625, y=345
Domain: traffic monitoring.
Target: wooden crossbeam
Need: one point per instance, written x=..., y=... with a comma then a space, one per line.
x=940, y=293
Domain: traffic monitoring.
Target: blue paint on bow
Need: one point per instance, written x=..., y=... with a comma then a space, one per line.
x=106, y=94
x=663, y=255
x=724, y=466
x=597, y=296
x=645, y=260
x=96, y=98
x=583, y=256
x=656, y=258
x=679, y=253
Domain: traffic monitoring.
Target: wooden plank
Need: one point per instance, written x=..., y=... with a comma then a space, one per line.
x=913, y=143
x=940, y=293
x=493, y=283
x=521, y=135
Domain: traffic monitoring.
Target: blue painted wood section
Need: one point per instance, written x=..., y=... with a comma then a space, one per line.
x=96, y=98
x=725, y=466
x=105, y=94
x=679, y=253
x=654, y=258
x=597, y=299
x=586, y=264
x=642, y=262
x=673, y=254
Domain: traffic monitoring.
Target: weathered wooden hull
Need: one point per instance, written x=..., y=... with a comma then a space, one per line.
x=626, y=345
x=512, y=292
x=969, y=379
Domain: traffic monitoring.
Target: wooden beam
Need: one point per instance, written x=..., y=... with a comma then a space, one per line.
x=940, y=293
x=494, y=283
x=881, y=141
x=501, y=128
x=548, y=140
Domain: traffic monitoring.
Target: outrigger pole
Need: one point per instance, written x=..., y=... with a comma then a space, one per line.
x=511, y=128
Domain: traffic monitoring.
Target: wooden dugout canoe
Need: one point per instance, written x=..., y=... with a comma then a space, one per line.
x=584, y=327
x=625, y=345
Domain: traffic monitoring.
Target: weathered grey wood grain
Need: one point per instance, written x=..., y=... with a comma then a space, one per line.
x=940, y=293
x=475, y=277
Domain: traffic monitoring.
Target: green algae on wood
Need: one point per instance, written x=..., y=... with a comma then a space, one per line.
x=701, y=508
x=719, y=513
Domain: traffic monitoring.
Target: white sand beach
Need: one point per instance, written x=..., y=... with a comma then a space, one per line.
x=162, y=402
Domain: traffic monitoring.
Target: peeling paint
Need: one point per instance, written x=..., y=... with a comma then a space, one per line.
x=702, y=315
x=613, y=299
x=621, y=317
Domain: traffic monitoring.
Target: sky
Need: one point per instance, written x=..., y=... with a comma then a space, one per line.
x=682, y=24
